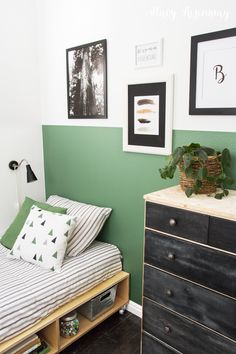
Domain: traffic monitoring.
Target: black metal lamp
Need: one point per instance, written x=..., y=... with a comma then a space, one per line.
x=14, y=165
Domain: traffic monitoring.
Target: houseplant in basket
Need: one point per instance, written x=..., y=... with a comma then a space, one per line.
x=202, y=170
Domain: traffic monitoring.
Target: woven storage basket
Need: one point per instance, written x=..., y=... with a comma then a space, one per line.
x=214, y=169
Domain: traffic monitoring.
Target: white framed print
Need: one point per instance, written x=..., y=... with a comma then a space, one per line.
x=149, y=126
x=149, y=54
x=213, y=73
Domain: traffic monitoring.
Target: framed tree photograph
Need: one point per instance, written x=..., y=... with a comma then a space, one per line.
x=149, y=126
x=87, y=80
x=213, y=73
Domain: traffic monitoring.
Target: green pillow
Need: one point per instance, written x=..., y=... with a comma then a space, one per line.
x=10, y=236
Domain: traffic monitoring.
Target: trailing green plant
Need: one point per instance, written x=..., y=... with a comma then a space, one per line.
x=186, y=158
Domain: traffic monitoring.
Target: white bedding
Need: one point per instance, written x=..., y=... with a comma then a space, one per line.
x=29, y=293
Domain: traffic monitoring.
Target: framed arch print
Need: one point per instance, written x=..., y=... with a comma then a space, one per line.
x=213, y=73
x=149, y=126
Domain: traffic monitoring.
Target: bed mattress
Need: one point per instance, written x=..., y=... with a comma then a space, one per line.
x=28, y=293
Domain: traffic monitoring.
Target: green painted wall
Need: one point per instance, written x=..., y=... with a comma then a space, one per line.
x=88, y=164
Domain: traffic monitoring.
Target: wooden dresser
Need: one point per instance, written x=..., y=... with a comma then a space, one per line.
x=189, y=287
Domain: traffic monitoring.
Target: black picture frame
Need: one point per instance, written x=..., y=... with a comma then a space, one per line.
x=149, y=126
x=151, y=89
x=87, y=80
x=196, y=79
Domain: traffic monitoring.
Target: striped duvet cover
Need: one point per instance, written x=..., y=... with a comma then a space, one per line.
x=29, y=293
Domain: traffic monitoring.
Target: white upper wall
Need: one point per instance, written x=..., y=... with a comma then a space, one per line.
x=67, y=23
x=20, y=122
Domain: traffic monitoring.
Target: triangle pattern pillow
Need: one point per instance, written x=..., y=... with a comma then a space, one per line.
x=43, y=238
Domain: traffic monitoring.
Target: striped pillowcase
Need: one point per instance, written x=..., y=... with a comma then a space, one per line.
x=90, y=220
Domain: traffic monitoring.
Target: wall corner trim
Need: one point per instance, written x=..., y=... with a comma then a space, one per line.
x=134, y=308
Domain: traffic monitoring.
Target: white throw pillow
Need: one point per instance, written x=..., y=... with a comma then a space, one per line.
x=90, y=220
x=43, y=238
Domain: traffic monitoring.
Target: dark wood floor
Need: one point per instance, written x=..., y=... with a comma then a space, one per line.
x=119, y=334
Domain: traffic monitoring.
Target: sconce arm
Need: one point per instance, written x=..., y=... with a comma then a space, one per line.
x=14, y=165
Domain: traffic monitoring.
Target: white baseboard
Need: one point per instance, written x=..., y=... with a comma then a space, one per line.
x=134, y=308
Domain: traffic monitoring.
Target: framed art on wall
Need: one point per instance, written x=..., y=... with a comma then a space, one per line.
x=149, y=54
x=149, y=126
x=213, y=73
x=87, y=80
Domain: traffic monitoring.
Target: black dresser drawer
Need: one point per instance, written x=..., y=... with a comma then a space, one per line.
x=209, y=267
x=200, y=304
x=186, y=224
x=152, y=346
x=222, y=234
x=183, y=334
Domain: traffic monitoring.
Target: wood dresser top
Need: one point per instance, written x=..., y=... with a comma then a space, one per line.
x=201, y=203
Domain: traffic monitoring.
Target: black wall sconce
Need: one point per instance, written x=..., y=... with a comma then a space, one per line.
x=14, y=165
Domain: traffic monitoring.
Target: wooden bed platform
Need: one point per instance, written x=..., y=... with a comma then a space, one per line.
x=49, y=327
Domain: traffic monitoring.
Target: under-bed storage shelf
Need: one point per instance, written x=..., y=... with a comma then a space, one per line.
x=49, y=329
x=86, y=325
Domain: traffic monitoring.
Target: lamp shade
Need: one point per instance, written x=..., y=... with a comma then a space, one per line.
x=30, y=174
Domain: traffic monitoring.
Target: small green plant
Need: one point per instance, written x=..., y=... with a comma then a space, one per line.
x=187, y=157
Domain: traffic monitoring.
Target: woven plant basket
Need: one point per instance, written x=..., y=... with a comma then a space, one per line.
x=214, y=169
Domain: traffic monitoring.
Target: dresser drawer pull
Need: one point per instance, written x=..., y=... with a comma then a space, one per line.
x=172, y=222
x=167, y=329
x=171, y=256
x=169, y=292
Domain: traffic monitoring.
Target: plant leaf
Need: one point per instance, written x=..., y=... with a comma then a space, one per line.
x=167, y=171
x=177, y=155
x=210, y=178
x=187, y=159
x=194, y=146
x=208, y=151
x=226, y=192
x=202, y=173
x=163, y=172
x=225, y=158
x=188, y=192
x=202, y=155
x=197, y=185
x=171, y=171
x=219, y=195
x=228, y=180
x=189, y=171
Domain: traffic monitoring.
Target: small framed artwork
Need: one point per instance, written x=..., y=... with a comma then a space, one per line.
x=149, y=126
x=87, y=80
x=213, y=73
x=149, y=54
